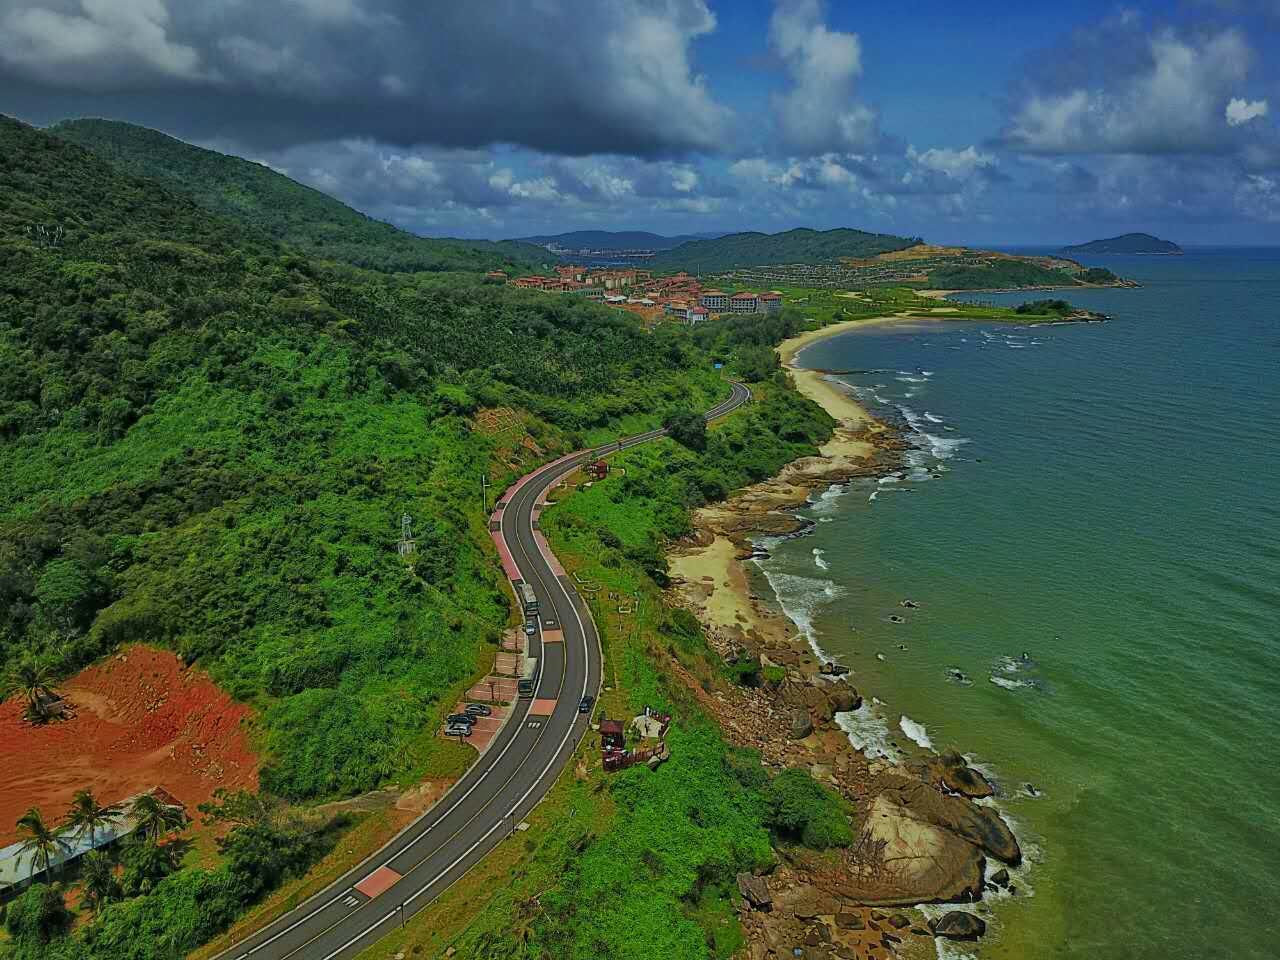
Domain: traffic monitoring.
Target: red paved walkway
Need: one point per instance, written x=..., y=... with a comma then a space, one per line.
x=380, y=881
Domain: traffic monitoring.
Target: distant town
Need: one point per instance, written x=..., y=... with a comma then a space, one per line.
x=679, y=297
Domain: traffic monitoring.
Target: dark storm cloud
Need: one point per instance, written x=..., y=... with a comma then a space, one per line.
x=571, y=77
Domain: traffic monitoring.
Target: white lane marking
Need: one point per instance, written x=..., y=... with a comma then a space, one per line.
x=361, y=934
x=265, y=943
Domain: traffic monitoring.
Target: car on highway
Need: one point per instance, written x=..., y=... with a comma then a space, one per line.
x=458, y=730
x=584, y=705
x=464, y=718
x=478, y=710
x=530, y=629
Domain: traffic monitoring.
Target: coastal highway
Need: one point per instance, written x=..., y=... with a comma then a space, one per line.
x=508, y=779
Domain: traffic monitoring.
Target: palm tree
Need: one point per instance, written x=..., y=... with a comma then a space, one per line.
x=42, y=843
x=86, y=816
x=98, y=875
x=32, y=678
x=154, y=818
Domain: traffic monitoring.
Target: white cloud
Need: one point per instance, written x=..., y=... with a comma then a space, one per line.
x=953, y=163
x=1240, y=111
x=819, y=113
x=95, y=43
x=1166, y=98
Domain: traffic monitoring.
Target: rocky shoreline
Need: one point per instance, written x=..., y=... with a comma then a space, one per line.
x=922, y=837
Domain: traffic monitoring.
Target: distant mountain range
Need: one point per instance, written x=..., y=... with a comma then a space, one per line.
x=792, y=246
x=613, y=240
x=266, y=200
x=1127, y=243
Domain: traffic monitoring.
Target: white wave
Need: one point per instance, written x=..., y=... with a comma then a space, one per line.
x=1011, y=684
x=944, y=448
x=874, y=494
x=915, y=732
x=868, y=732
x=932, y=418
x=891, y=478
x=927, y=373
x=818, y=561
x=1015, y=664
x=801, y=598
x=913, y=379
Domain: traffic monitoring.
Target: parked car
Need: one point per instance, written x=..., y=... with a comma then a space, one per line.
x=466, y=718
x=584, y=705
x=530, y=629
x=458, y=730
x=479, y=709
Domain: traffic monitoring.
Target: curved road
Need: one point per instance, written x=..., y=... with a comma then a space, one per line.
x=508, y=779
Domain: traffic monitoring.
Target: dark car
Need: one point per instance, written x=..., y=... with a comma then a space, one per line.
x=478, y=710
x=584, y=705
x=466, y=718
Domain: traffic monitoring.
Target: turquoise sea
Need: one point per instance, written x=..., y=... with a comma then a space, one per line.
x=1105, y=500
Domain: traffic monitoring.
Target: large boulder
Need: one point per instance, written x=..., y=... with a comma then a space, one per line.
x=958, y=925
x=980, y=826
x=755, y=890
x=957, y=776
x=843, y=698
x=801, y=723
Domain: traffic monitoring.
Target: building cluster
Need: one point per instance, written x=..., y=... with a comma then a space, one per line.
x=680, y=297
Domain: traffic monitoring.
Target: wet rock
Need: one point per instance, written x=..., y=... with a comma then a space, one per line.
x=850, y=921
x=898, y=921
x=958, y=777
x=1000, y=878
x=842, y=698
x=958, y=925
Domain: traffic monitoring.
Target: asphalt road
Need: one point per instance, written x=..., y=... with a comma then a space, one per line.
x=500, y=788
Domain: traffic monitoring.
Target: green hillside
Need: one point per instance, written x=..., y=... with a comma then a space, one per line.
x=312, y=221
x=793, y=246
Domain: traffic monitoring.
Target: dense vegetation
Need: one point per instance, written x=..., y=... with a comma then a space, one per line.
x=307, y=219
x=1126, y=243
x=1096, y=275
x=150, y=908
x=997, y=273
x=792, y=246
x=208, y=443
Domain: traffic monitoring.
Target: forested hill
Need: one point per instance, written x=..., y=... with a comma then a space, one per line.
x=312, y=221
x=1127, y=243
x=610, y=240
x=793, y=246
x=207, y=442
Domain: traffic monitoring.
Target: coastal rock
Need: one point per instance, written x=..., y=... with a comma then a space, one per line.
x=923, y=862
x=850, y=921
x=958, y=925
x=1000, y=878
x=958, y=777
x=801, y=724
x=980, y=826
x=842, y=698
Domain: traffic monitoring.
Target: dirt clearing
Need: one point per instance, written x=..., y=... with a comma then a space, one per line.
x=140, y=721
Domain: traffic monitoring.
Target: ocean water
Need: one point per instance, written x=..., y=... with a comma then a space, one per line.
x=1089, y=522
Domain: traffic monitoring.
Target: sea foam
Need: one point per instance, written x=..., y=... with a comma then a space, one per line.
x=915, y=732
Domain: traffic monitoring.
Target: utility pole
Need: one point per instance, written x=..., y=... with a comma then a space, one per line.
x=484, y=491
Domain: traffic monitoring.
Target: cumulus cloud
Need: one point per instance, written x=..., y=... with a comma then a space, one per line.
x=819, y=112
x=96, y=44
x=1119, y=90
x=1240, y=111
x=571, y=77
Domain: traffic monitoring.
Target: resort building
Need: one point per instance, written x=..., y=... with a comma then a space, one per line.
x=744, y=303
x=716, y=301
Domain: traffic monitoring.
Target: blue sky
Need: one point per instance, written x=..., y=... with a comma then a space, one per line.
x=981, y=123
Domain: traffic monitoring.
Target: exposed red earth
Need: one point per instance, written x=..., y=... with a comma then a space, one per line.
x=139, y=720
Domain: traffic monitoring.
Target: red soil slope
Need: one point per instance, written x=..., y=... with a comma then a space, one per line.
x=140, y=720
